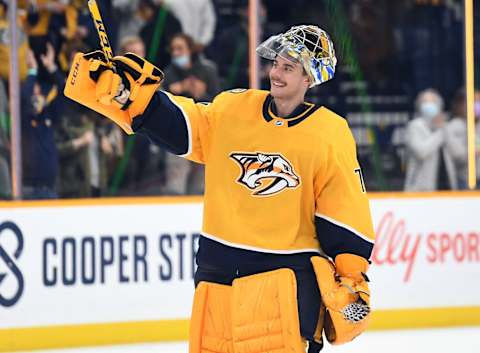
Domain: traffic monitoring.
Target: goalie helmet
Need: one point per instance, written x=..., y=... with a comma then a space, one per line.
x=306, y=44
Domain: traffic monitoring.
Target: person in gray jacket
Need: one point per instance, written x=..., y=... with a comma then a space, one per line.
x=456, y=137
x=429, y=165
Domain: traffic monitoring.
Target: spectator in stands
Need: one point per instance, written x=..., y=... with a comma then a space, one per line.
x=146, y=159
x=73, y=136
x=428, y=41
x=194, y=77
x=456, y=136
x=197, y=18
x=52, y=21
x=5, y=46
x=128, y=18
x=429, y=165
x=132, y=44
x=160, y=26
x=189, y=75
x=103, y=148
x=233, y=62
x=88, y=150
x=230, y=49
x=40, y=107
x=86, y=31
x=110, y=144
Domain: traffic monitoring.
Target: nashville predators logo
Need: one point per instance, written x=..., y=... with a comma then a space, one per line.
x=266, y=174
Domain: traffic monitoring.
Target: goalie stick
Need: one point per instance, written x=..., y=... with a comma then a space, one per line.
x=102, y=33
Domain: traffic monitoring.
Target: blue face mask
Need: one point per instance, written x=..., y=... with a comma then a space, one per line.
x=181, y=61
x=429, y=110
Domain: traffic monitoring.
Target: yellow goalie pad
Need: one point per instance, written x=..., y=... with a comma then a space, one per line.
x=258, y=313
x=265, y=313
x=211, y=323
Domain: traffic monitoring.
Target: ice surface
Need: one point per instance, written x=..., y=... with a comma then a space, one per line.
x=448, y=340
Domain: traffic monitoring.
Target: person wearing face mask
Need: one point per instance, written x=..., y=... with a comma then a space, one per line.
x=429, y=166
x=190, y=76
x=456, y=136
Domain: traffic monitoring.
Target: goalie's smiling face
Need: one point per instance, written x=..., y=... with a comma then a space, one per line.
x=287, y=79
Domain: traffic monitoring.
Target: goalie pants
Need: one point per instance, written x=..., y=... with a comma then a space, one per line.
x=221, y=264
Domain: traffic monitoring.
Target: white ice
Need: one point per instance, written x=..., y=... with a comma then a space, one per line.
x=448, y=340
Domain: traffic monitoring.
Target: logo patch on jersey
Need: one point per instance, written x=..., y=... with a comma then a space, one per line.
x=265, y=173
x=237, y=90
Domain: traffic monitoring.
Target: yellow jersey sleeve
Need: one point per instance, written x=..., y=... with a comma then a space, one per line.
x=199, y=118
x=342, y=213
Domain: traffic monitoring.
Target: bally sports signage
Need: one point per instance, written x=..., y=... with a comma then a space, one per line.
x=398, y=245
x=121, y=270
x=422, y=244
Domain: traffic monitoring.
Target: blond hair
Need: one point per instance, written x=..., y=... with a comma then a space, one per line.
x=128, y=40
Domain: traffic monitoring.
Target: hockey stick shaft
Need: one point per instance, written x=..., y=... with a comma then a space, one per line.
x=102, y=33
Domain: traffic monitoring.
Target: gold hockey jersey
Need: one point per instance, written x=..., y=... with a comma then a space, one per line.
x=267, y=178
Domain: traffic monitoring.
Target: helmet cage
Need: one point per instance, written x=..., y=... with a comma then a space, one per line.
x=308, y=45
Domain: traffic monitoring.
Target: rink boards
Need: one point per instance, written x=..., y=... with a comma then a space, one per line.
x=106, y=271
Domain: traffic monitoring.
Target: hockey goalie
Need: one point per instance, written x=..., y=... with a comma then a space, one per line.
x=287, y=231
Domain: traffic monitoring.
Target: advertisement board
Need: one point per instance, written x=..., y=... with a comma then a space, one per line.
x=121, y=270
x=427, y=252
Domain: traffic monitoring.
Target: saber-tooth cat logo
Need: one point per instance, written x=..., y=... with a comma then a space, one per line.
x=9, y=297
x=265, y=173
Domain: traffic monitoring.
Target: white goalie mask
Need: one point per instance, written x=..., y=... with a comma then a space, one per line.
x=306, y=44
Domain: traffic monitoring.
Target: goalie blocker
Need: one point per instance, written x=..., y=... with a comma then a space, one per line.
x=120, y=90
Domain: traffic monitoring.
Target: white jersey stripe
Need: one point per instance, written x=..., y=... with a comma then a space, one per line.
x=252, y=248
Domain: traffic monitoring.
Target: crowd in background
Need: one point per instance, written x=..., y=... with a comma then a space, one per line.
x=398, y=83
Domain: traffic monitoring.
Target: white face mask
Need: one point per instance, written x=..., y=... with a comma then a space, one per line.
x=181, y=61
x=429, y=110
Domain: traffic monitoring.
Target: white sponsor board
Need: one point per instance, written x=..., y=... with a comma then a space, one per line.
x=427, y=252
x=63, y=265
x=98, y=263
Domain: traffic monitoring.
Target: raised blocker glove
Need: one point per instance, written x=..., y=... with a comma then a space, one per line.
x=119, y=89
x=345, y=294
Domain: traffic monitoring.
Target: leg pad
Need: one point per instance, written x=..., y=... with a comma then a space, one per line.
x=258, y=313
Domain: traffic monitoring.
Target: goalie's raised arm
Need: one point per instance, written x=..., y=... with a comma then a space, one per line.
x=127, y=93
x=177, y=124
x=120, y=91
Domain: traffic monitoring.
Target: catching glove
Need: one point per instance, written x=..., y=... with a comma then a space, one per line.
x=345, y=294
x=119, y=89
